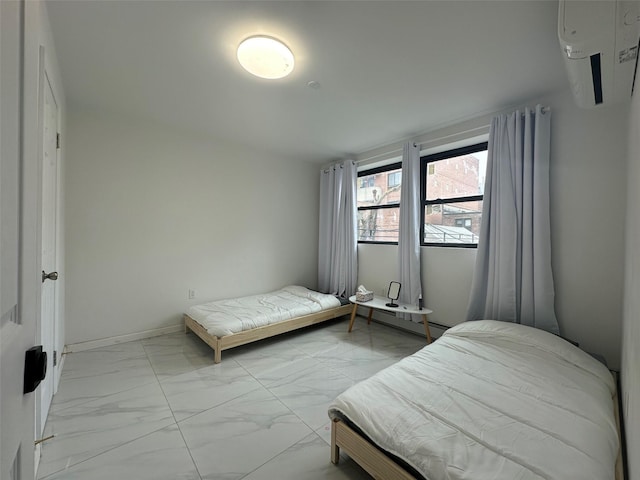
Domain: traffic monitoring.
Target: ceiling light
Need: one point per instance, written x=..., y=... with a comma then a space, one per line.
x=265, y=57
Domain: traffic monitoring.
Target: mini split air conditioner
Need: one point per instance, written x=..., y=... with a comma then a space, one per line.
x=600, y=44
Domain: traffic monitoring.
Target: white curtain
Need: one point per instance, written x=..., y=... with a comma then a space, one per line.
x=338, y=240
x=513, y=281
x=409, y=236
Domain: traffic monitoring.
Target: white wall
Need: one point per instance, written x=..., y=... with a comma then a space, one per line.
x=152, y=213
x=446, y=281
x=588, y=194
x=630, y=374
x=587, y=181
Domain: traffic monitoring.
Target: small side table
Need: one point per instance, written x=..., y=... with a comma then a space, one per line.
x=379, y=303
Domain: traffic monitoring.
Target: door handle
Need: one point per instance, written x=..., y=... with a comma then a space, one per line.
x=49, y=276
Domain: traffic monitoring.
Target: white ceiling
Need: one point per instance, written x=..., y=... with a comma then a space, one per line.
x=387, y=70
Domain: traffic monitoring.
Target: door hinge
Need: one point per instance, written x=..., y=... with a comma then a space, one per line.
x=55, y=358
x=57, y=140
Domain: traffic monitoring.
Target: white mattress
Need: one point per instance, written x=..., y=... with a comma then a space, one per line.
x=491, y=400
x=225, y=317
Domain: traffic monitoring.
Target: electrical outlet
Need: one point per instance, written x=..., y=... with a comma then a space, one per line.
x=192, y=294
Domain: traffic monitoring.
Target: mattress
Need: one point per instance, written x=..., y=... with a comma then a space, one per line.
x=226, y=317
x=491, y=400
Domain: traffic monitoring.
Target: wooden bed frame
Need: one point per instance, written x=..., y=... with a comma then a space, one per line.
x=229, y=341
x=380, y=466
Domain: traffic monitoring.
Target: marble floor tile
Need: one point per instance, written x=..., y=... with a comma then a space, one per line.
x=307, y=459
x=187, y=343
x=85, y=364
x=324, y=432
x=339, y=350
x=97, y=379
x=229, y=441
x=194, y=392
x=308, y=393
x=97, y=358
x=267, y=359
x=179, y=353
x=361, y=372
x=349, y=351
x=159, y=408
x=326, y=343
x=359, y=363
x=161, y=455
x=84, y=431
x=392, y=342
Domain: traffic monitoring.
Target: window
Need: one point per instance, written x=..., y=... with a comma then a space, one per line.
x=378, y=199
x=367, y=181
x=394, y=179
x=452, y=191
x=463, y=222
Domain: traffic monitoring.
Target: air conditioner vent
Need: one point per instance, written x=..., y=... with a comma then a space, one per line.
x=596, y=78
x=600, y=41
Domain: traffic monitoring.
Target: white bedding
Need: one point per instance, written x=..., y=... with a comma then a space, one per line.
x=491, y=400
x=225, y=317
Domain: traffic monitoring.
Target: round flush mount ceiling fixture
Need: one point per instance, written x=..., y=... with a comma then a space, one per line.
x=265, y=57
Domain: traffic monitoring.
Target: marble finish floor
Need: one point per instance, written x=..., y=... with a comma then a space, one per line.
x=160, y=408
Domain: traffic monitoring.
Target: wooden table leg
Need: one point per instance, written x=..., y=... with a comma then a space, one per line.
x=353, y=316
x=369, y=317
x=426, y=327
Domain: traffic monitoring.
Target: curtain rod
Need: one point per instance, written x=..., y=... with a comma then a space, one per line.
x=336, y=165
x=396, y=147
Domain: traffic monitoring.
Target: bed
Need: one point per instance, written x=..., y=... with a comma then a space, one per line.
x=487, y=400
x=232, y=322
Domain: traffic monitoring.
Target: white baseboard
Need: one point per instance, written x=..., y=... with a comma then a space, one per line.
x=106, y=342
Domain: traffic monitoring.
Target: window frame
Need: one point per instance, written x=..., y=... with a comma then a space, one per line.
x=375, y=171
x=424, y=164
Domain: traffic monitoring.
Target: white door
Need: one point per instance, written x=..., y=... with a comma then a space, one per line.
x=49, y=208
x=18, y=320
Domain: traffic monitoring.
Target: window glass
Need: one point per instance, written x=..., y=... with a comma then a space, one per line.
x=460, y=176
x=452, y=196
x=367, y=181
x=394, y=179
x=378, y=199
x=457, y=222
x=378, y=225
x=379, y=188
